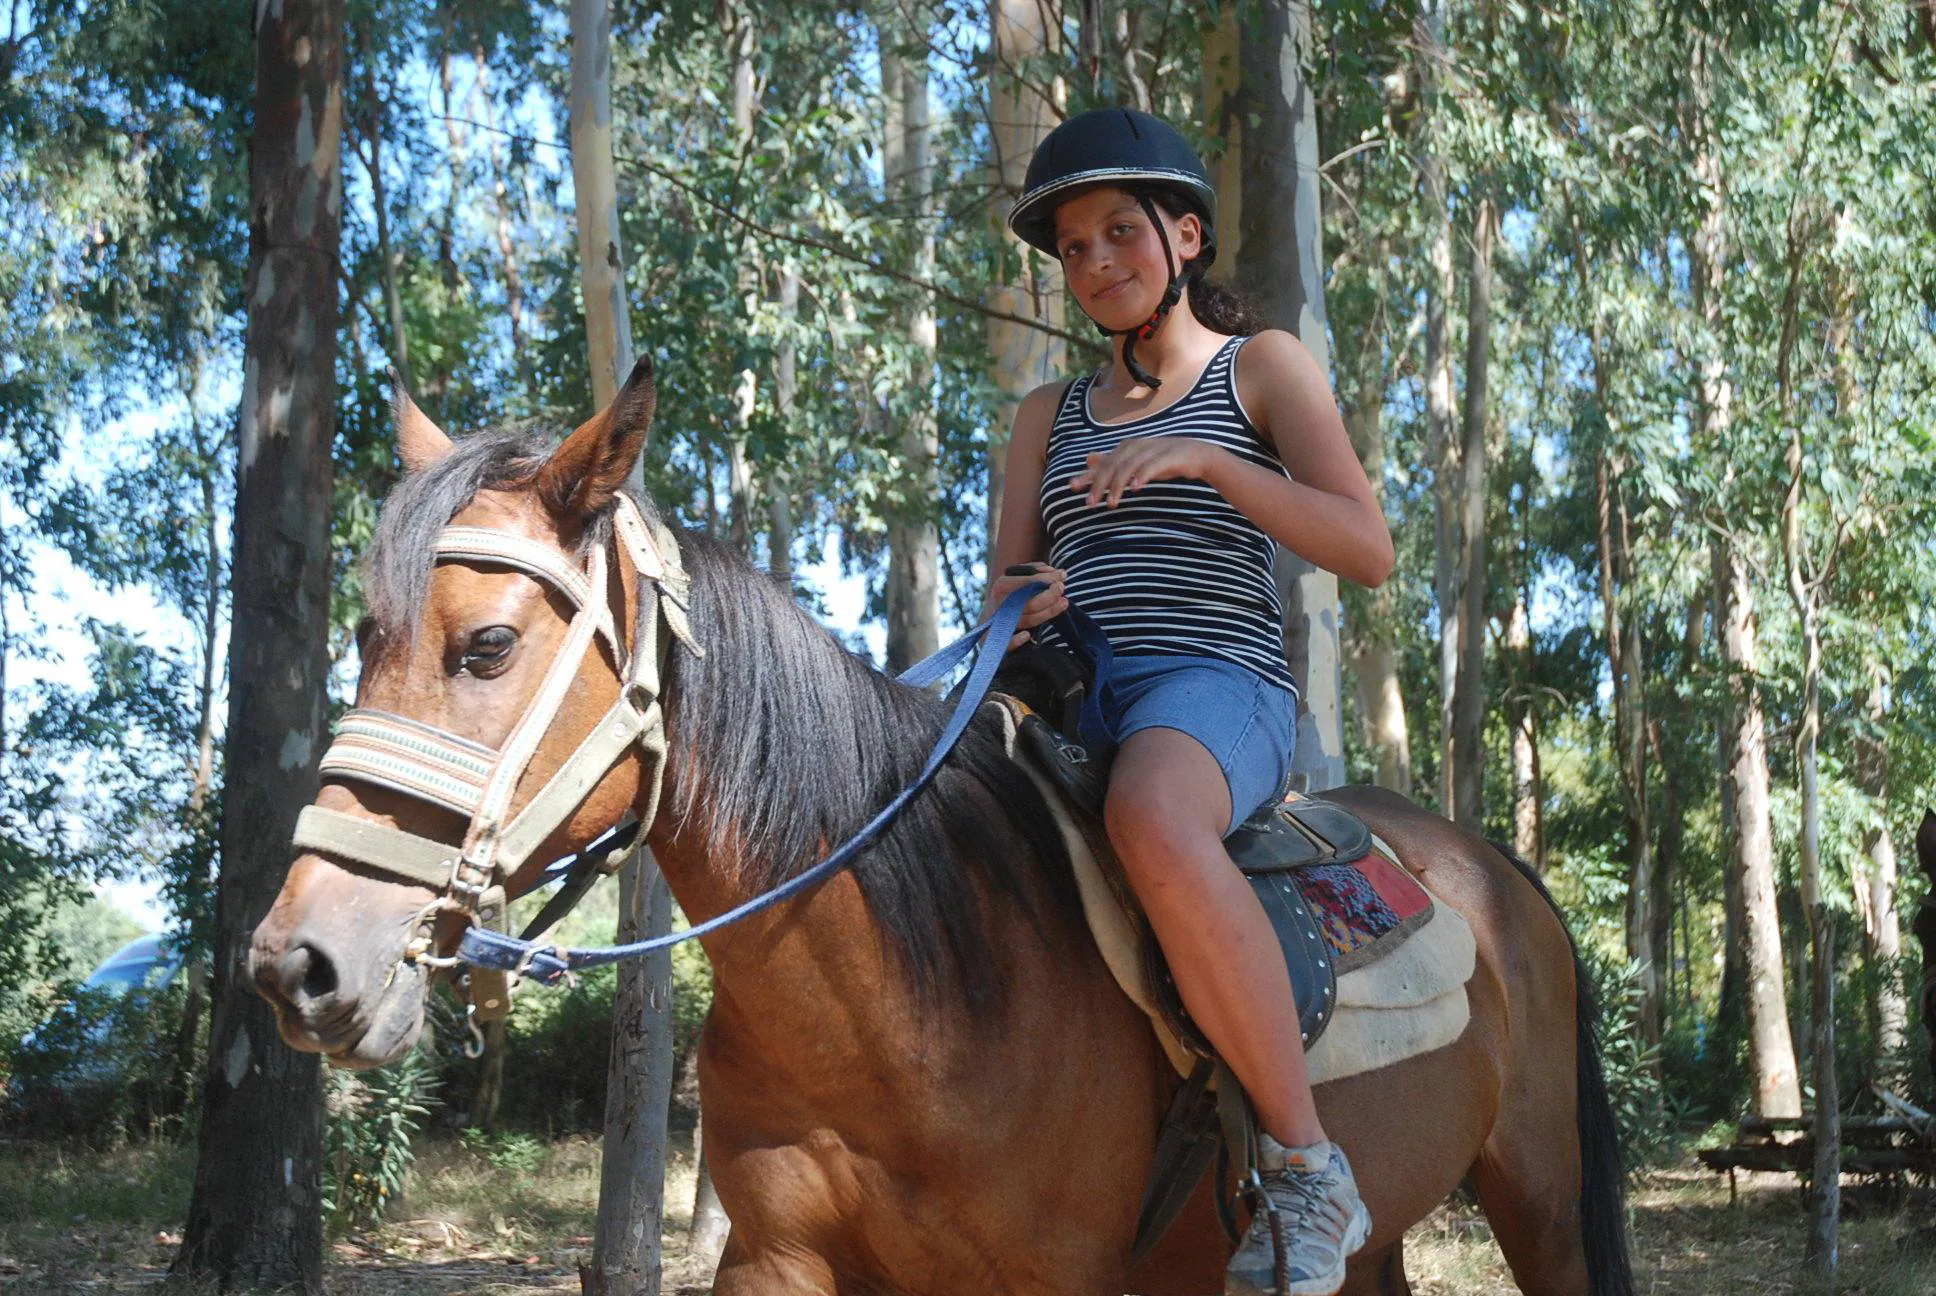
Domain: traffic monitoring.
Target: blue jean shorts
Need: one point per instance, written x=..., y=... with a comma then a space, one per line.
x=1247, y=723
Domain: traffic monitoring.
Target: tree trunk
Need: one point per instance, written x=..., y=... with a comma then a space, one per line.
x=739, y=468
x=1771, y=1047
x=501, y=195
x=779, y=496
x=1369, y=649
x=211, y=626
x=1667, y=863
x=388, y=259
x=1872, y=773
x=255, y=1217
x=490, y=1078
x=1279, y=258
x=1623, y=643
x=913, y=532
x=625, y=1250
x=1468, y=743
x=1825, y=1180
x=1525, y=746
x=710, y=1227
x=1024, y=358
x=608, y=328
x=631, y=1182
x=1428, y=34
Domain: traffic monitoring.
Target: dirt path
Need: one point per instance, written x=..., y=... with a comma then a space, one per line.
x=514, y=1215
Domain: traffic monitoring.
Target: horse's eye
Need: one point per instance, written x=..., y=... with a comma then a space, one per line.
x=489, y=650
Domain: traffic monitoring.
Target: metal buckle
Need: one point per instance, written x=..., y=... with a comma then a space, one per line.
x=423, y=941
x=465, y=892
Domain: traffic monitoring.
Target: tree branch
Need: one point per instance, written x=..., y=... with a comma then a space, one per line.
x=807, y=241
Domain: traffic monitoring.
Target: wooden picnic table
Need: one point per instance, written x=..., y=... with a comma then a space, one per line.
x=1885, y=1147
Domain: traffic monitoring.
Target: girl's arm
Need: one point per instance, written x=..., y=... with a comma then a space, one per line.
x=1021, y=538
x=1328, y=514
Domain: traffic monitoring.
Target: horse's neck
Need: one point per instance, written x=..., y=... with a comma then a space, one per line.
x=804, y=994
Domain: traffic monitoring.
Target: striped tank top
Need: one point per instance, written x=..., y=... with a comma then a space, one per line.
x=1174, y=568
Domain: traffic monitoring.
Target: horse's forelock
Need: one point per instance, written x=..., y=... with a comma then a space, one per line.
x=404, y=549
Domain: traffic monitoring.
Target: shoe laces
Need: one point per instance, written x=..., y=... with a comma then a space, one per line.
x=1301, y=1194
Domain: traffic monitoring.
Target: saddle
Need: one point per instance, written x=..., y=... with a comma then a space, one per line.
x=1377, y=967
x=1336, y=902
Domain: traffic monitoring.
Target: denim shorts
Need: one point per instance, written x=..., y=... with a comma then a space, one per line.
x=1247, y=723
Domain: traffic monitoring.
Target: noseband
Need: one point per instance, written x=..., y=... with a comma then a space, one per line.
x=455, y=773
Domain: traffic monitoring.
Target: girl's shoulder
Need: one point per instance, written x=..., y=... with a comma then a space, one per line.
x=1272, y=368
x=1036, y=415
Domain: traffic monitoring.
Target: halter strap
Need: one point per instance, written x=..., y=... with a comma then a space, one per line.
x=484, y=949
x=455, y=773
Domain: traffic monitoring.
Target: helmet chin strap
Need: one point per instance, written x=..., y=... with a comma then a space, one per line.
x=1172, y=293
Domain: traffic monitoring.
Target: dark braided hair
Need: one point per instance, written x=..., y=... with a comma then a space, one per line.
x=1218, y=307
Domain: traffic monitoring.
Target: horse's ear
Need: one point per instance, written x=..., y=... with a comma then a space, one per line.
x=420, y=443
x=585, y=472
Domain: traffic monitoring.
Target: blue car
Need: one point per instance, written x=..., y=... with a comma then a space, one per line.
x=145, y=963
x=71, y=1071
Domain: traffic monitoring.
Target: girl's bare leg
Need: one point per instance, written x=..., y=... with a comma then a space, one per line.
x=1167, y=809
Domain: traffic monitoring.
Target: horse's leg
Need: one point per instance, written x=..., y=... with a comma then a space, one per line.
x=771, y=1274
x=1379, y=1274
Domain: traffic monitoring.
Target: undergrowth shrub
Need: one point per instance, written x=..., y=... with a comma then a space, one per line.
x=372, y=1116
x=1647, y=1120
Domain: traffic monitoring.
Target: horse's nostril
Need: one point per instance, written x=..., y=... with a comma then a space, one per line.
x=308, y=974
x=320, y=979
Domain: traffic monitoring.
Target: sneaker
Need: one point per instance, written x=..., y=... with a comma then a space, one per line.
x=1322, y=1218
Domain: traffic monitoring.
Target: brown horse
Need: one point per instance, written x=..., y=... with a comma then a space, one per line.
x=919, y=1077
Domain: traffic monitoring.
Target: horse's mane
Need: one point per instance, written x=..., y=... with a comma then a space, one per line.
x=784, y=744
x=798, y=743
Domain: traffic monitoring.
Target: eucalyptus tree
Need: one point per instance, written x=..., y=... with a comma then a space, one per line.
x=256, y=1214
x=122, y=211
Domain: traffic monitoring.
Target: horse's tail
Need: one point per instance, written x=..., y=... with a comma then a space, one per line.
x=1603, y=1176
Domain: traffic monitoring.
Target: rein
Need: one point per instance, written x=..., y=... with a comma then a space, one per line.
x=455, y=773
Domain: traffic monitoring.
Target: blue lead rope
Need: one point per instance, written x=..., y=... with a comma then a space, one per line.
x=987, y=642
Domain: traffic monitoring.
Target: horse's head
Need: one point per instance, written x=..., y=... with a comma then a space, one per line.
x=504, y=600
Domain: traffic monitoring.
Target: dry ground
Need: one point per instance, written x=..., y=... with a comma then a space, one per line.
x=517, y=1218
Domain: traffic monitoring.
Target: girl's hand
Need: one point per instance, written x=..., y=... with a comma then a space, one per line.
x=1138, y=461
x=1046, y=605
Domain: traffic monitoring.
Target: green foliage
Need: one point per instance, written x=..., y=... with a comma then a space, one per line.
x=1641, y=1106
x=506, y=1150
x=371, y=1119
x=103, y=1066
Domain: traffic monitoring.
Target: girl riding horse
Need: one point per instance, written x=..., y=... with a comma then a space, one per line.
x=1158, y=488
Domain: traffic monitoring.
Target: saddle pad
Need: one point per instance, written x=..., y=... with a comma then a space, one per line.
x=1410, y=1001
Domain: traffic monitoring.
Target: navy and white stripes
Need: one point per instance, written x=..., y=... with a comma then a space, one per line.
x=1174, y=568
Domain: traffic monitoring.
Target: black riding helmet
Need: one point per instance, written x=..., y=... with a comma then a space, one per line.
x=1133, y=151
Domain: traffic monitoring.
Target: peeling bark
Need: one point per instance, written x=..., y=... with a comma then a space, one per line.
x=255, y=1216
x=1024, y=358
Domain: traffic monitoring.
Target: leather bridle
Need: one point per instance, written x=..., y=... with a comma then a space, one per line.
x=454, y=773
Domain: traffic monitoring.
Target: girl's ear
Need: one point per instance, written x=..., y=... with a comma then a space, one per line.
x=1189, y=236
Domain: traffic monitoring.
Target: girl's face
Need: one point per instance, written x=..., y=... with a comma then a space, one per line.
x=1112, y=258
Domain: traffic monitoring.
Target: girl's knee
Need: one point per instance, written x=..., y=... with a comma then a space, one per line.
x=1150, y=832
